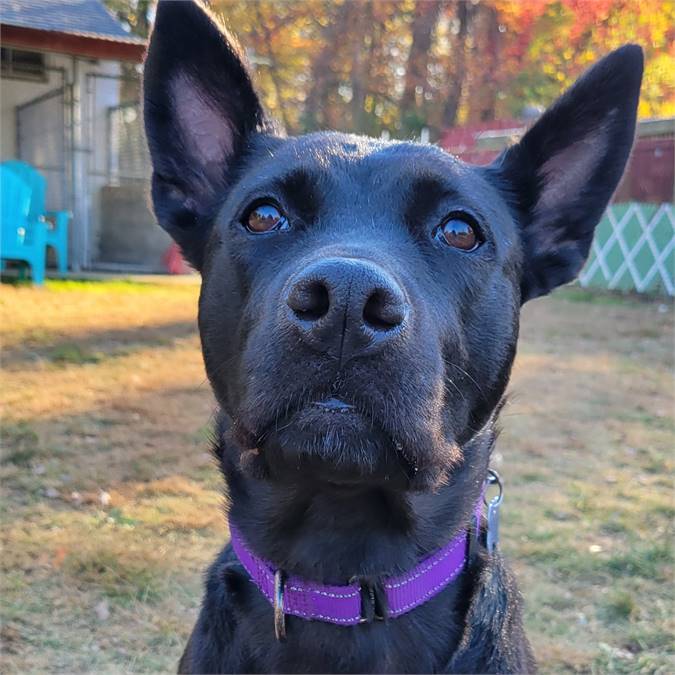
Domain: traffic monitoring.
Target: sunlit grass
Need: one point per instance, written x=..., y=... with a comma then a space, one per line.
x=112, y=506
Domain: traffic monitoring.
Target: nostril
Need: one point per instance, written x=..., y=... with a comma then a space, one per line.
x=382, y=312
x=309, y=300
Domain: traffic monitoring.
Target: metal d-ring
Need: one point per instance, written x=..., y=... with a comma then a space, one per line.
x=279, y=616
x=493, y=478
x=493, y=510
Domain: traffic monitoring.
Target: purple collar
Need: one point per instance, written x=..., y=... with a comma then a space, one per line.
x=342, y=605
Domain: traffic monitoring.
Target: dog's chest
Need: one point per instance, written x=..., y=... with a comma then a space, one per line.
x=422, y=641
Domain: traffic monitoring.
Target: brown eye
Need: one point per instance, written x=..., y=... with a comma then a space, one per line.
x=459, y=233
x=265, y=217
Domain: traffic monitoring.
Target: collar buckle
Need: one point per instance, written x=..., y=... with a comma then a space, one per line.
x=371, y=604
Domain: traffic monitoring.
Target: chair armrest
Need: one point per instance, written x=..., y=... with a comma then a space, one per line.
x=38, y=224
x=36, y=232
x=60, y=218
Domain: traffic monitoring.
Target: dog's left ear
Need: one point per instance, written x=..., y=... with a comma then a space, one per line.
x=562, y=174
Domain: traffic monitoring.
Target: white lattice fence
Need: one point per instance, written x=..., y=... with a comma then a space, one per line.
x=633, y=249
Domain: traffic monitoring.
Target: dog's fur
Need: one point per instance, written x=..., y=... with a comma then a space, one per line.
x=368, y=494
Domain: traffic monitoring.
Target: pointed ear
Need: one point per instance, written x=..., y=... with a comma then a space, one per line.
x=562, y=174
x=200, y=109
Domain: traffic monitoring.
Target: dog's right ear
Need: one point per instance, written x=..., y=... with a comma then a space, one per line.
x=200, y=108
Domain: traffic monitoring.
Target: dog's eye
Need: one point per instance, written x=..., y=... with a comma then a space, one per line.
x=265, y=217
x=457, y=231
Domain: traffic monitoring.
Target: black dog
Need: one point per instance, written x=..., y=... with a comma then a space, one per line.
x=359, y=314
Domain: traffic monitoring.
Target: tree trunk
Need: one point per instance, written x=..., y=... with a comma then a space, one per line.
x=274, y=65
x=322, y=76
x=465, y=14
x=424, y=23
x=362, y=53
x=486, y=48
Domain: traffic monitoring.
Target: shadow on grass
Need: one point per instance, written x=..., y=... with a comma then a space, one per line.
x=95, y=346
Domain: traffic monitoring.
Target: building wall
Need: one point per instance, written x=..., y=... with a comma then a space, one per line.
x=98, y=90
x=70, y=186
x=649, y=175
x=16, y=92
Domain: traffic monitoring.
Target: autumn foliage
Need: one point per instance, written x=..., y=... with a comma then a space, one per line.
x=401, y=65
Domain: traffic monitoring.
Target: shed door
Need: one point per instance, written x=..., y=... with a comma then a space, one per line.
x=122, y=233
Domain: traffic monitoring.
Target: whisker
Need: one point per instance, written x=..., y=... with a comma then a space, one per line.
x=473, y=381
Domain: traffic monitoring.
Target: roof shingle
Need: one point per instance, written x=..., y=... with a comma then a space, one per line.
x=76, y=17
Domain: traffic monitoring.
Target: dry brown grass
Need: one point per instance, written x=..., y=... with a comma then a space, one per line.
x=111, y=504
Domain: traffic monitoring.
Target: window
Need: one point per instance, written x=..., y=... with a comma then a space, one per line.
x=20, y=65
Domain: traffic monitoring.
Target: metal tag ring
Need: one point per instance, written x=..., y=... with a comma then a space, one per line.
x=494, y=478
x=279, y=616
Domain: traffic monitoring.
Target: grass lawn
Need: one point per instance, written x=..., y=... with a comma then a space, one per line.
x=111, y=505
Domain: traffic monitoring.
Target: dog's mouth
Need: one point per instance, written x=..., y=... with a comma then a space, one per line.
x=334, y=405
x=336, y=442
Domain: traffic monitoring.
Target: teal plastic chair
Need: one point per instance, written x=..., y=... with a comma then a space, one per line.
x=20, y=239
x=56, y=221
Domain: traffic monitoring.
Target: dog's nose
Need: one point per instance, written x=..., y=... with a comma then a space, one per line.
x=346, y=306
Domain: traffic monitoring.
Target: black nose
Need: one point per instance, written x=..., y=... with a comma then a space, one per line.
x=346, y=306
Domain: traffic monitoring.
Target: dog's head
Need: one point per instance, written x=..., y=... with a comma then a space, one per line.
x=360, y=300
